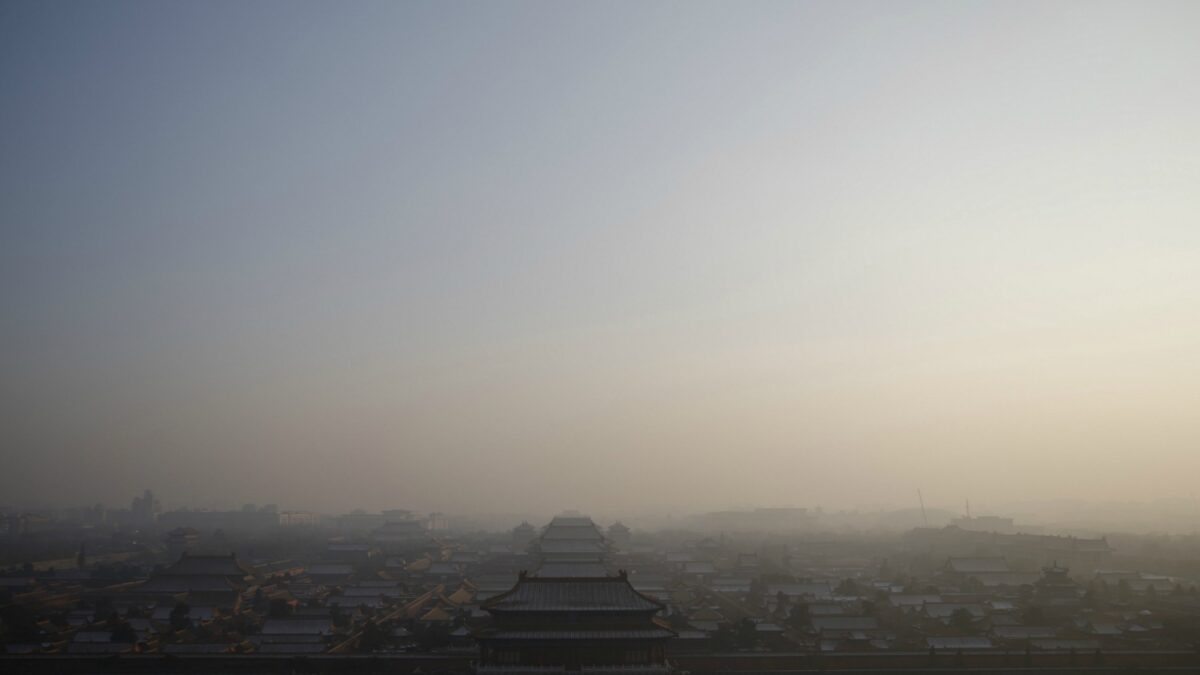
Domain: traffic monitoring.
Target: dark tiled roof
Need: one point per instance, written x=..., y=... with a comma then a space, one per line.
x=92, y=636
x=297, y=627
x=406, y=527
x=1079, y=645
x=572, y=532
x=817, y=589
x=571, y=546
x=947, y=609
x=597, y=594
x=186, y=584
x=339, y=547
x=959, y=642
x=197, y=648
x=845, y=623
x=354, y=601
x=572, y=521
x=331, y=569
x=615, y=634
x=99, y=647
x=1024, y=632
x=569, y=569
x=291, y=648
x=208, y=565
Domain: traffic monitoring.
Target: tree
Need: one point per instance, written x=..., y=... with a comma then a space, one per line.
x=124, y=633
x=59, y=620
x=1093, y=597
x=757, y=585
x=724, y=638
x=179, y=616
x=1034, y=615
x=19, y=624
x=434, y=635
x=747, y=634
x=279, y=608
x=1124, y=592
x=798, y=617
x=847, y=587
x=374, y=637
x=338, y=617
x=961, y=618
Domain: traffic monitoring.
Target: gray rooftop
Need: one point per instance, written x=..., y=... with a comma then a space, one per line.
x=597, y=594
x=571, y=569
x=615, y=634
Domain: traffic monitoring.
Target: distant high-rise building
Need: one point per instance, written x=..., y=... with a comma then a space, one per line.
x=145, y=509
x=437, y=522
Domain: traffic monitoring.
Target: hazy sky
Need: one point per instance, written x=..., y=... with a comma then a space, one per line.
x=608, y=256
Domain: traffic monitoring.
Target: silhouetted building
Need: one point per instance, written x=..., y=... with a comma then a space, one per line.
x=585, y=624
x=572, y=539
x=522, y=536
x=181, y=540
x=619, y=534
x=144, y=509
x=1079, y=553
x=1056, y=587
x=985, y=524
x=399, y=535
x=202, y=581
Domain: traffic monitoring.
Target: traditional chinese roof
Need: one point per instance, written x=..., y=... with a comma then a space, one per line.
x=198, y=648
x=956, y=643
x=187, y=584
x=330, y=569
x=571, y=569
x=1024, y=632
x=655, y=633
x=572, y=533
x=945, y=610
x=698, y=568
x=572, y=521
x=208, y=565
x=305, y=626
x=342, y=547
x=594, y=594
x=845, y=623
x=815, y=590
